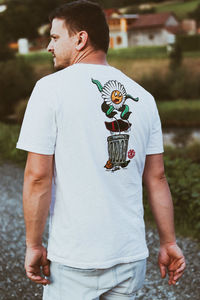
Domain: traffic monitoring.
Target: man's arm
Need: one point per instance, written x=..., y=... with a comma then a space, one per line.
x=36, y=202
x=170, y=256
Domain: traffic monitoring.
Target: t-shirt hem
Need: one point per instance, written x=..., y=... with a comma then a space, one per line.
x=97, y=265
x=34, y=149
x=154, y=151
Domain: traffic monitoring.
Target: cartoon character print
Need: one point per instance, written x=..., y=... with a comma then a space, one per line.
x=114, y=97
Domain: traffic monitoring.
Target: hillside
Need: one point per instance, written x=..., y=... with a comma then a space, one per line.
x=180, y=7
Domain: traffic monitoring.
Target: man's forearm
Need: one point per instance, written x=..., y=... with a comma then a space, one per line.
x=36, y=202
x=160, y=200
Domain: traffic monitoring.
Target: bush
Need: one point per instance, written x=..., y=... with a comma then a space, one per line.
x=189, y=42
x=173, y=85
x=16, y=80
x=179, y=113
x=183, y=178
x=5, y=51
x=8, y=139
x=20, y=110
x=190, y=151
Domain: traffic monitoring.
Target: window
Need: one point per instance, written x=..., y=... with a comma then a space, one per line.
x=151, y=36
x=119, y=40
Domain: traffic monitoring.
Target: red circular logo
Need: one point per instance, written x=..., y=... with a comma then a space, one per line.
x=131, y=153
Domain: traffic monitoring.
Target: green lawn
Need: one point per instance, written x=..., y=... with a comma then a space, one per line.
x=180, y=8
x=8, y=139
x=180, y=113
x=38, y=57
x=138, y=52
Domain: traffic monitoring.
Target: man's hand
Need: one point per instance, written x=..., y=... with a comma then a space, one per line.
x=171, y=260
x=36, y=262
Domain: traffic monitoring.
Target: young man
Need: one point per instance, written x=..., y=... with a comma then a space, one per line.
x=96, y=133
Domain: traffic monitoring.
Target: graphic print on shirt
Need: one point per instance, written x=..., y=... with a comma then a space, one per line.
x=114, y=97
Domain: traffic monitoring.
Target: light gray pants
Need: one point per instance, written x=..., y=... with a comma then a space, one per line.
x=119, y=282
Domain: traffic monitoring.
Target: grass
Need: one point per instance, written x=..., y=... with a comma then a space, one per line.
x=41, y=61
x=38, y=57
x=8, y=139
x=139, y=52
x=135, y=62
x=180, y=8
x=180, y=113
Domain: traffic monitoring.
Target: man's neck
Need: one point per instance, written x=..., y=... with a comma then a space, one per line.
x=90, y=56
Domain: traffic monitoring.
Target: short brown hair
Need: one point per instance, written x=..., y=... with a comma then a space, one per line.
x=88, y=16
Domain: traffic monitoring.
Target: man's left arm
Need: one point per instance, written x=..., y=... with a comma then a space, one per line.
x=36, y=202
x=170, y=258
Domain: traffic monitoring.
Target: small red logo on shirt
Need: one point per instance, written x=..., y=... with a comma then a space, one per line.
x=131, y=153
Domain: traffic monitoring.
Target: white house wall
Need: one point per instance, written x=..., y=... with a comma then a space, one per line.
x=124, y=39
x=153, y=37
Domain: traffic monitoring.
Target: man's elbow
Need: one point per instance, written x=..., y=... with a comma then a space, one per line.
x=36, y=176
x=150, y=179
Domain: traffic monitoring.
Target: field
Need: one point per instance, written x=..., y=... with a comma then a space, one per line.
x=180, y=113
x=180, y=8
x=135, y=62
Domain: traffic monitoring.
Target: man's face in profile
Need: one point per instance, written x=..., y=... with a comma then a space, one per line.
x=62, y=46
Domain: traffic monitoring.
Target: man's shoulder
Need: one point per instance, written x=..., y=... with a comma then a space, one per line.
x=52, y=78
x=137, y=88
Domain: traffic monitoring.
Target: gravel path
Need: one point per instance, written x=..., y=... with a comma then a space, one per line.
x=13, y=282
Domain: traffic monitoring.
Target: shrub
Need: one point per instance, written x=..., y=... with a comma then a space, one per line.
x=20, y=110
x=16, y=80
x=174, y=84
x=183, y=178
x=156, y=84
x=179, y=113
x=8, y=139
x=190, y=151
x=189, y=42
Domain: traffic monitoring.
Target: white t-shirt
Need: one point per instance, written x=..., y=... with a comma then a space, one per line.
x=100, y=125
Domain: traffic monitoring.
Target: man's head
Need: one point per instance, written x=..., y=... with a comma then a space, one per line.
x=75, y=26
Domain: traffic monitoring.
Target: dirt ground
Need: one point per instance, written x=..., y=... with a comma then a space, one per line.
x=14, y=284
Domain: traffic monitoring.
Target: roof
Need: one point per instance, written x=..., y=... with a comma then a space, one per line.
x=175, y=29
x=110, y=11
x=151, y=20
x=130, y=16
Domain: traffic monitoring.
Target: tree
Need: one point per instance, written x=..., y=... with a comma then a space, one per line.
x=176, y=57
x=23, y=17
x=195, y=14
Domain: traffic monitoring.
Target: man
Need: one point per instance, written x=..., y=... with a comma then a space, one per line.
x=96, y=133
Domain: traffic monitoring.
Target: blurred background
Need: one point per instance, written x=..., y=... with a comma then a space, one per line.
x=157, y=44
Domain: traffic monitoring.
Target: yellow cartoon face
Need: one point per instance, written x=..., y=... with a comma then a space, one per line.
x=116, y=97
x=114, y=94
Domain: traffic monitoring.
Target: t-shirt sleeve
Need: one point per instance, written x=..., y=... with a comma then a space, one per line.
x=39, y=129
x=155, y=143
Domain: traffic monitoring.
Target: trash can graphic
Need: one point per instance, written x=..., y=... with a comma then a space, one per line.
x=117, y=149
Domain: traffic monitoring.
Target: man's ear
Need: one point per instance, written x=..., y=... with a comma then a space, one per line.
x=82, y=40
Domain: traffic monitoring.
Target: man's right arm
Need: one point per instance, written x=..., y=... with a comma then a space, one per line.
x=170, y=258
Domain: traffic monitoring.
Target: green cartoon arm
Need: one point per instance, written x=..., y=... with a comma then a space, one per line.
x=98, y=84
x=129, y=96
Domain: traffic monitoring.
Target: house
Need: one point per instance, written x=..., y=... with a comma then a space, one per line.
x=154, y=30
x=189, y=26
x=143, y=30
x=118, y=25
